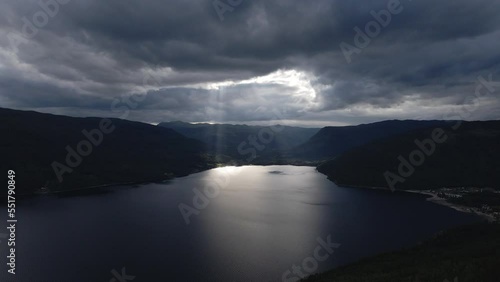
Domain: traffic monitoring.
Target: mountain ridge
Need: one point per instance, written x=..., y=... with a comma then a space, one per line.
x=133, y=152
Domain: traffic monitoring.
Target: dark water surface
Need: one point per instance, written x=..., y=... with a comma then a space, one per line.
x=262, y=221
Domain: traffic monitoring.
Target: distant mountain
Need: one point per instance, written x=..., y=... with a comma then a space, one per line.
x=32, y=143
x=240, y=142
x=333, y=141
x=469, y=156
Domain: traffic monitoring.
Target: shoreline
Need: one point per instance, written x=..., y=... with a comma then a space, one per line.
x=432, y=197
x=86, y=188
x=39, y=192
x=55, y=192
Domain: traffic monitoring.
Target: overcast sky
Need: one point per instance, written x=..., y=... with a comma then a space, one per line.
x=251, y=61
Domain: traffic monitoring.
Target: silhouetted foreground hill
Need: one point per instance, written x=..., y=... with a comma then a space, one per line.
x=333, y=141
x=465, y=254
x=133, y=152
x=467, y=156
x=240, y=141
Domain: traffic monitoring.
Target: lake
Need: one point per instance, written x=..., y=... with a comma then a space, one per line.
x=251, y=223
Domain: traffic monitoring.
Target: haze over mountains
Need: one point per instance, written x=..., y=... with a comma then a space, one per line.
x=49, y=148
x=235, y=141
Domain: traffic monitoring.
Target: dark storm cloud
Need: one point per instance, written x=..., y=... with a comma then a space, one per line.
x=89, y=52
x=18, y=93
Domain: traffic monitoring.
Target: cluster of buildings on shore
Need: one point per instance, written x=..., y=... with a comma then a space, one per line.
x=460, y=195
